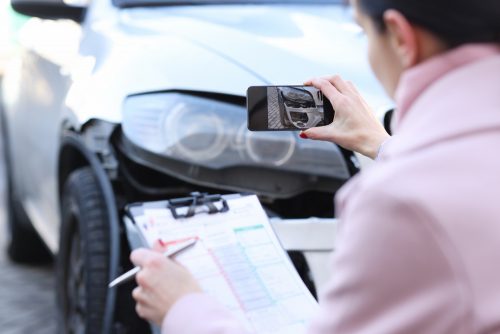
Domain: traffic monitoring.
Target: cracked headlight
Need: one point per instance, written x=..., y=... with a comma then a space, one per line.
x=214, y=134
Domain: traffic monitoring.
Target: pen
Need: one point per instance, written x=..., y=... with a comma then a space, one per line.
x=172, y=250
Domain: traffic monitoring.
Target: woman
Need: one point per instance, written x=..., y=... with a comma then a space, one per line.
x=419, y=238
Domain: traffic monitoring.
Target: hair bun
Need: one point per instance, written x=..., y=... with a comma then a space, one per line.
x=456, y=22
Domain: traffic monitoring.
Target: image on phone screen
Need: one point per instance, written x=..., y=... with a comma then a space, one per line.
x=278, y=108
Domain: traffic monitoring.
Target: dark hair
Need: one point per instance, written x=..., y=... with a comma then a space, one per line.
x=456, y=22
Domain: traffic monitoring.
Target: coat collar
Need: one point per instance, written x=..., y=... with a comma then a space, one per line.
x=462, y=97
x=449, y=98
x=416, y=80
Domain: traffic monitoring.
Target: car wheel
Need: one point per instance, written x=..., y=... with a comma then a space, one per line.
x=24, y=245
x=83, y=257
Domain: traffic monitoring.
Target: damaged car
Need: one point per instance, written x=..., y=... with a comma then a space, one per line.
x=300, y=108
x=113, y=102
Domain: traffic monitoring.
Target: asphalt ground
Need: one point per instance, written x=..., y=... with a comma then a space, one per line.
x=27, y=297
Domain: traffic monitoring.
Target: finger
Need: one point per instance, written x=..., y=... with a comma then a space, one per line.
x=339, y=83
x=145, y=312
x=353, y=88
x=142, y=257
x=143, y=296
x=308, y=82
x=328, y=89
x=142, y=279
x=138, y=256
x=326, y=133
x=137, y=294
x=140, y=310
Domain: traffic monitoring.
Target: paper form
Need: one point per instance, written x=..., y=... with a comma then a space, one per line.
x=240, y=262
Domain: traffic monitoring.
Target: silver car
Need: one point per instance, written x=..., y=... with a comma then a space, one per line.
x=120, y=101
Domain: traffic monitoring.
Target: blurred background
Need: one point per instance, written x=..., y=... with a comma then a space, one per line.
x=10, y=23
x=110, y=102
x=27, y=301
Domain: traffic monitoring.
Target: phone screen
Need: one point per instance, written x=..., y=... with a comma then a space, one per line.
x=287, y=108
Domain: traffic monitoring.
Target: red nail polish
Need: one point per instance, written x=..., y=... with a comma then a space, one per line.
x=162, y=243
x=303, y=135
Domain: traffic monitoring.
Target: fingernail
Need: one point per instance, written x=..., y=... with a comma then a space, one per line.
x=303, y=135
x=162, y=243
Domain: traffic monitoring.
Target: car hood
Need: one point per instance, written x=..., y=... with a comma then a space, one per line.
x=277, y=44
x=228, y=48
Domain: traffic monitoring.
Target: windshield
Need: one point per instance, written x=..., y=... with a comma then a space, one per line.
x=141, y=3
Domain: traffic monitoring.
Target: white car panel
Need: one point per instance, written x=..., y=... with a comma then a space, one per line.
x=222, y=49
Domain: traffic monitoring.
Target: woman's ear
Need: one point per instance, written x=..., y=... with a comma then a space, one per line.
x=403, y=38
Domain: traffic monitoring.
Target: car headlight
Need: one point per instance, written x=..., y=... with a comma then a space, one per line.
x=214, y=134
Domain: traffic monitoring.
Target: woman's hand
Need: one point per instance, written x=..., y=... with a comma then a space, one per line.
x=162, y=282
x=355, y=126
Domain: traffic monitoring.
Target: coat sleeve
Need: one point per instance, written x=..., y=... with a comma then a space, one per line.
x=200, y=314
x=394, y=271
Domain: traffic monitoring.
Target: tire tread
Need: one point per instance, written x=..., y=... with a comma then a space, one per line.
x=83, y=192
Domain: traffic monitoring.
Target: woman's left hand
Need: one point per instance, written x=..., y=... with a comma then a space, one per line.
x=355, y=126
x=162, y=282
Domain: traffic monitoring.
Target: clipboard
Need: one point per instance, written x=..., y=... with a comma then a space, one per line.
x=237, y=260
x=185, y=207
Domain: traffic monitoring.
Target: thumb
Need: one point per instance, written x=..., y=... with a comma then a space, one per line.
x=138, y=256
x=141, y=256
x=159, y=246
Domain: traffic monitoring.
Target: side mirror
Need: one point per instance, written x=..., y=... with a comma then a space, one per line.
x=48, y=9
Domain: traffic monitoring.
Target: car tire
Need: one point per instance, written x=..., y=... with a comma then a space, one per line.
x=24, y=245
x=84, y=257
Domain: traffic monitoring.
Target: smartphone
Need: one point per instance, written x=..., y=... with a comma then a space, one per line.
x=287, y=108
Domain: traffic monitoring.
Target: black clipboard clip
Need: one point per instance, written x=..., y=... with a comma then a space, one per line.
x=195, y=200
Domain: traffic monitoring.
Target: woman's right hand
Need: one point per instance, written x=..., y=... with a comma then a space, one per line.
x=355, y=126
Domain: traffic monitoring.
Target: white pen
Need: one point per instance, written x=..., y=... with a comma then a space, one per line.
x=172, y=250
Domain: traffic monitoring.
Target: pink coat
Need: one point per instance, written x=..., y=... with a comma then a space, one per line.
x=418, y=249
